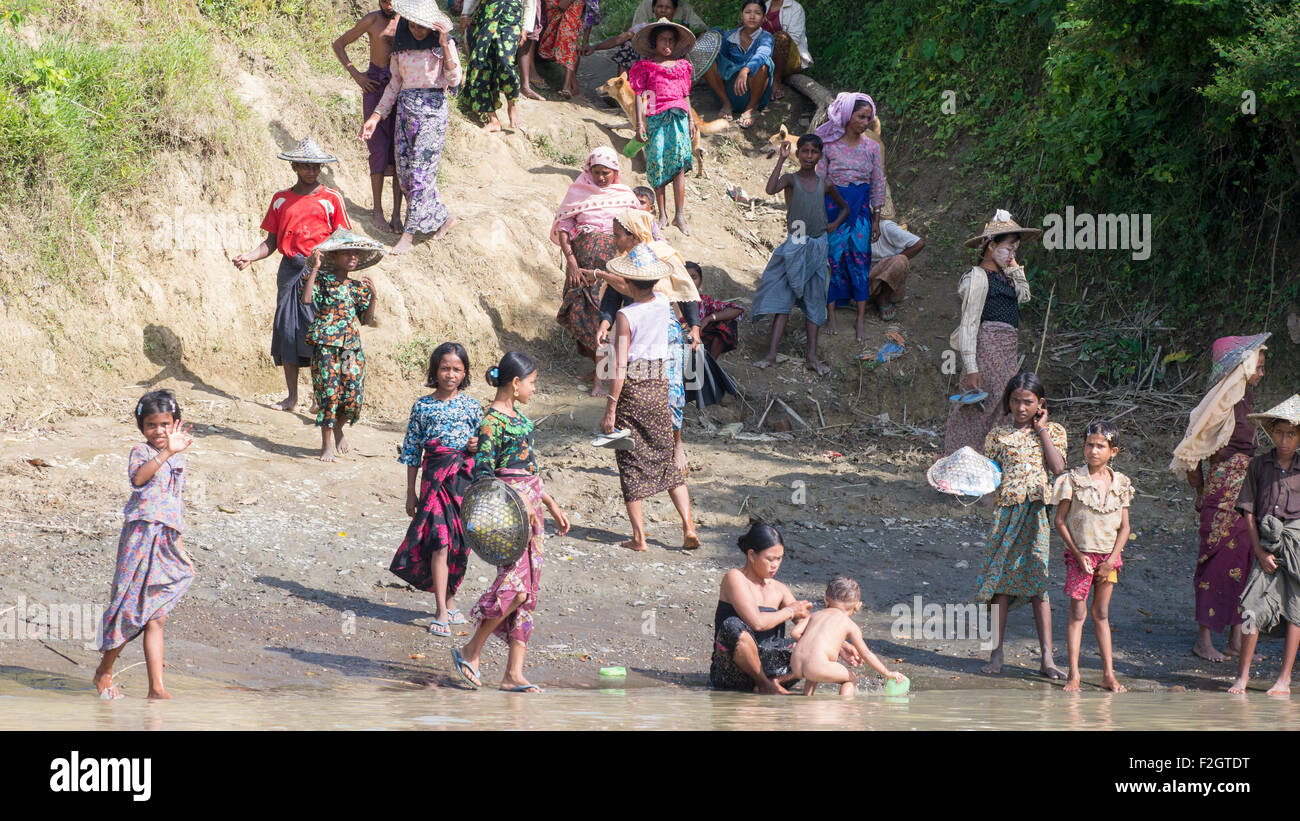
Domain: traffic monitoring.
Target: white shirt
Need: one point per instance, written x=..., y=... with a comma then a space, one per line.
x=893, y=240
x=648, y=328
x=794, y=23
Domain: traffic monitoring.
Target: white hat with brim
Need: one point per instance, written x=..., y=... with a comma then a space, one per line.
x=641, y=264
x=643, y=42
x=309, y=152
x=371, y=251
x=1002, y=223
x=1288, y=411
x=964, y=473
x=422, y=12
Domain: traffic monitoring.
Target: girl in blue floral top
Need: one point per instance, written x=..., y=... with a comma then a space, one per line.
x=338, y=366
x=439, y=437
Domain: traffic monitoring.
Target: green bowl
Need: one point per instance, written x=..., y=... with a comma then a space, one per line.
x=613, y=672
x=897, y=688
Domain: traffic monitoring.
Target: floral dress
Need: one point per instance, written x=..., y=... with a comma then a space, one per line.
x=1015, y=561
x=505, y=449
x=338, y=366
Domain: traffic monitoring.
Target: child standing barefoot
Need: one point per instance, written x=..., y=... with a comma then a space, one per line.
x=798, y=271
x=441, y=435
x=1092, y=517
x=821, y=638
x=664, y=123
x=338, y=369
x=1015, y=562
x=1270, y=501
x=506, y=451
x=153, y=570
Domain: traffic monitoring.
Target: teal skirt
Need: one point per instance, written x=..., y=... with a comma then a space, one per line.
x=668, y=151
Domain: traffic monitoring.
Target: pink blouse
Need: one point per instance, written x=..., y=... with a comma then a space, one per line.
x=843, y=164
x=668, y=87
x=419, y=68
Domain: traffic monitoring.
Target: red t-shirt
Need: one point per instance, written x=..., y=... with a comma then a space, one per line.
x=300, y=222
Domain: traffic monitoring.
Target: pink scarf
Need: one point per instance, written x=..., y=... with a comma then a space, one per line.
x=838, y=114
x=597, y=206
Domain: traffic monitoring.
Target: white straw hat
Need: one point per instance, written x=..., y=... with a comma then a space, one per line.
x=307, y=151
x=422, y=12
x=964, y=473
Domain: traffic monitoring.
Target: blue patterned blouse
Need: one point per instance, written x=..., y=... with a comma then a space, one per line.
x=452, y=422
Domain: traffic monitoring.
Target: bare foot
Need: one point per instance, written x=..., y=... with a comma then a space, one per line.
x=446, y=226
x=995, y=663
x=1234, y=650
x=1111, y=683
x=1072, y=684
x=727, y=113
x=1208, y=653
x=1051, y=671
x=680, y=222
x=862, y=332
x=493, y=124
x=1239, y=686
x=817, y=366
x=379, y=223
x=158, y=695
x=829, y=330
x=513, y=116
x=341, y=444
x=1280, y=688
x=286, y=404
x=771, y=687
x=632, y=544
x=578, y=97
x=327, y=454
x=765, y=362
x=528, y=92
x=105, y=687
x=690, y=541
x=403, y=245
x=397, y=225
x=599, y=389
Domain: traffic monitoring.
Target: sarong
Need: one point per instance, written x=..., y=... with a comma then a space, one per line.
x=579, y=312
x=1270, y=601
x=292, y=317
x=559, y=40
x=1225, y=556
x=850, y=246
x=380, y=145
x=493, y=41
x=338, y=379
x=888, y=280
x=648, y=468
x=524, y=576
x=444, y=478
x=674, y=368
x=669, y=150
x=150, y=578
x=995, y=354
x=421, y=135
x=727, y=332
x=785, y=55
x=773, y=655
x=795, y=275
x=1015, y=561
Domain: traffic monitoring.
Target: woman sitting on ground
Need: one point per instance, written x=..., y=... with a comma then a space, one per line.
x=741, y=77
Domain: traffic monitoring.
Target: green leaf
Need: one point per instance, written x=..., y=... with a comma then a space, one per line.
x=928, y=47
x=956, y=52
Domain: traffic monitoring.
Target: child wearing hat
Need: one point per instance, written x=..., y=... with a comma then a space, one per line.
x=662, y=82
x=298, y=220
x=338, y=366
x=1270, y=502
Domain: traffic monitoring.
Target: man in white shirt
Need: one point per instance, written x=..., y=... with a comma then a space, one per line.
x=891, y=257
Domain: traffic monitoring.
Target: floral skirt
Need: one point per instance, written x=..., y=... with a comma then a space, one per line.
x=668, y=151
x=444, y=478
x=1225, y=556
x=850, y=247
x=559, y=40
x=648, y=468
x=524, y=576
x=338, y=378
x=151, y=576
x=493, y=41
x=674, y=368
x=579, y=312
x=1015, y=561
x=421, y=137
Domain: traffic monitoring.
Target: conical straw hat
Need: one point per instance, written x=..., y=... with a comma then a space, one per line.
x=423, y=12
x=1288, y=411
x=307, y=151
x=1002, y=223
x=643, y=45
x=344, y=240
x=1230, y=351
x=964, y=473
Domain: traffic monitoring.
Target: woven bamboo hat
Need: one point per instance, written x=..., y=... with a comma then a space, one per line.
x=1288, y=411
x=422, y=12
x=964, y=473
x=345, y=240
x=1231, y=351
x=643, y=42
x=495, y=518
x=706, y=49
x=307, y=151
x=1002, y=223
x=641, y=264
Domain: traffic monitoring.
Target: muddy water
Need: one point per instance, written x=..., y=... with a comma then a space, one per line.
x=34, y=701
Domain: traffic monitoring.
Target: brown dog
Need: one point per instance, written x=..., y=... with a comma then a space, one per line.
x=620, y=91
x=784, y=136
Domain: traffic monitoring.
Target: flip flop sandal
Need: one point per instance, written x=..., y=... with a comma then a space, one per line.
x=471, y=678
x=456, y=617
x=618, y=440
x=969, y=397
x=439, y=628
x=523, y=688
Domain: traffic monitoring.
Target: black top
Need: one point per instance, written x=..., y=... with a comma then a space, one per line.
x=726, y=611
x=612, y=301
x=1001, y=304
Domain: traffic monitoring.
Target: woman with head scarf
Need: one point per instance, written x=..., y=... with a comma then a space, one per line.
x=852, y=161
x=991, y=293
x=584, y=230
x=1220, y=434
